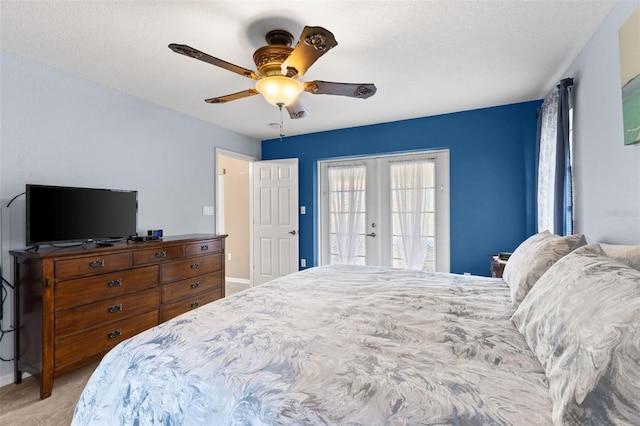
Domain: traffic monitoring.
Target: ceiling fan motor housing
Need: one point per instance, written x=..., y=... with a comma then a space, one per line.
x=269, y=58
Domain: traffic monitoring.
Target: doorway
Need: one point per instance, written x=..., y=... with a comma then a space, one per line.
x=257, y=207
x=233, y=200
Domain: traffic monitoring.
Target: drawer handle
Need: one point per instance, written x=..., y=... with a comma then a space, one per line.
x=115, y=333
x=204, y=247
x=195, y=265
x=114, y=283
x=195, y=284
x=194, y=305
x=161, y=254
x=115, y=308
x=96, y=264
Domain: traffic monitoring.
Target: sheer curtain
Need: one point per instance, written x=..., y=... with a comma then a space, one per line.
x=347, y=209
x=413, y=199
x=548, y=124
x=555, y=180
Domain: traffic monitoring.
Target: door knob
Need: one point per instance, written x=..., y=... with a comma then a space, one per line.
x=373, y=234
x=293, y=232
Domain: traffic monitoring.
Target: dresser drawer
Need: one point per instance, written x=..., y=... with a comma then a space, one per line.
x=72, y=293
x=203, y=247
x=91, y=265
x=174, y=309
x=105, y=311
x=191, y=287
x=164, y=254
x=190, y=267
x=74, y=347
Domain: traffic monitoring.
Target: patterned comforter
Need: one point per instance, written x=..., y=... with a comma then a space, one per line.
x=329, y=345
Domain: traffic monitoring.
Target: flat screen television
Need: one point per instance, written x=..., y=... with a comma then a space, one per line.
x=60, y=214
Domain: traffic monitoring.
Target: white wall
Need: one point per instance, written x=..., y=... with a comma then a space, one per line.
x=58, y=129
x=607, y=173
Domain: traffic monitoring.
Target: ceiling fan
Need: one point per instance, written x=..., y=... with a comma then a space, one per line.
x=279, y=66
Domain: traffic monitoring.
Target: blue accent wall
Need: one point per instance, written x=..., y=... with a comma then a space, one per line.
x=492, y=165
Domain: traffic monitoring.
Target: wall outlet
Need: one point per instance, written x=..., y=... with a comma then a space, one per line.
x=228, y=256
x=207, y=210
x=303, y=263
x=303, y=210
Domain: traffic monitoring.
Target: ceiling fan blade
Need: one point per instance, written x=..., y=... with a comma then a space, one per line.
x=232, y=97
x=354, y=90
x=297, y=110
x=196, y=54
x=313, y=43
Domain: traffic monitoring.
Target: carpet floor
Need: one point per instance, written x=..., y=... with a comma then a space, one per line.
x=21, y=404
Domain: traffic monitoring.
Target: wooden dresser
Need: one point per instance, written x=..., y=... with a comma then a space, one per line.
x=73, y=304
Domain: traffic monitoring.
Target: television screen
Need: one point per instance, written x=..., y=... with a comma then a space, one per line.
x=65, y=214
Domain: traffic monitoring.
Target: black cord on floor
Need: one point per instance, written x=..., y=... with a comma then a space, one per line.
x=5, y=294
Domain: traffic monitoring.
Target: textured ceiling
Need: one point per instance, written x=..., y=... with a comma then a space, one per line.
x=425, y=57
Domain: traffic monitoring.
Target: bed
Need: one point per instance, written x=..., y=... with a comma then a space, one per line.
x=355, y=345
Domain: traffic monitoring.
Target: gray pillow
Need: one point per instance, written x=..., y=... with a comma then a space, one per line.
x=582, y=321
x=532, y=259
x=625, y=254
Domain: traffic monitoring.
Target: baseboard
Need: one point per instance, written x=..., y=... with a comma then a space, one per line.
x=238, y=280
x=8, y=379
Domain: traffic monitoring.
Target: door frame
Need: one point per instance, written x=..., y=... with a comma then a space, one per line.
x=251, y=159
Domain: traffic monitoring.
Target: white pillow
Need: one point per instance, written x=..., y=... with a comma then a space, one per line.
x=582, y=321
x=532, y=259
x=625, y=254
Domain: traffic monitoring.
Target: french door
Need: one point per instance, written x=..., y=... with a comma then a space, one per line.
x=386, y=210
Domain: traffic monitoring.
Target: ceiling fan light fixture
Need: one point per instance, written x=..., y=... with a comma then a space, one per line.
x=279, y=89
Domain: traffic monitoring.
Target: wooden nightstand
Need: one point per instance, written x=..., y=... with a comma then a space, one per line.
x=497, y=266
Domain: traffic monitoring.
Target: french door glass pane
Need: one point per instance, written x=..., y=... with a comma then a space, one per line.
x=347, y=201
x=413, y=214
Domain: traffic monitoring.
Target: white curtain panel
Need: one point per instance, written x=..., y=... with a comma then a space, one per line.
x=347, y=189
x=547, y=162
x=409, y=183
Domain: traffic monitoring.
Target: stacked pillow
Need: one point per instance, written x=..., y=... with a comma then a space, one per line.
x=581, y=319
x=532, y=259
x=625, y=254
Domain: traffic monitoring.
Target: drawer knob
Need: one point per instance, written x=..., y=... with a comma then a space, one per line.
x=115, y=308
x=195, y=284
x=204, y=247
x=114, y=283
x=115, y=333
x=194, y=305
x=96, y=264
x=161, y=254
x=195, y=265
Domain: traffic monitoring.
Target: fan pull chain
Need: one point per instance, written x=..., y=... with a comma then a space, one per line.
x=280, y=105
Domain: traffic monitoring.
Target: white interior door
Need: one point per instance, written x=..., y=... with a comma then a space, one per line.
x=275, y=219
